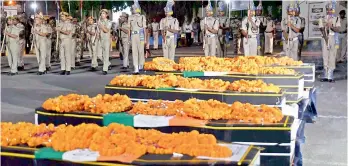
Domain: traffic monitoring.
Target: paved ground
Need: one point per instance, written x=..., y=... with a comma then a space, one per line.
x=326, y=142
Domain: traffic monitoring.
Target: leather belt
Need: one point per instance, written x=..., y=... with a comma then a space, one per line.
x=135, y=32
x=170, y=36
x=251, y=36
x=293, y=39
x=210, y=35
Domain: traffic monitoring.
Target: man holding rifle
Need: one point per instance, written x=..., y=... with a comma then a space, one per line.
x=11, y=34
x=124, y=41
x=250, y=31
x=65, y=30
x=40, y=33
x=210, y=27
x=291, y=28
x=329, y=26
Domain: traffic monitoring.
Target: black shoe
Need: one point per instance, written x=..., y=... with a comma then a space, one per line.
x=20, y=68
x=135, y=73
x=331, y=80
x=109, y=68
x=93, y=69
x=77, y=64
x=124, y=68
x=40, y=73
x=73, y=68
x=67, y=73
x=324, y=80
x=48, y=68
x=62, y=72
x=105, y=72
x=12, y=74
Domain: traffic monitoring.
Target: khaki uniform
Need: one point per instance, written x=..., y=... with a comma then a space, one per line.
x=22, y=44
x=263, y=24
x=49, y=45
x=210, y=39
x=235, y=25
x=105, y=44
x=40, y=43
x=342, y=36
x=13, y=47
x=328, y=49
x=124, y=45
x=65, y=46
x=250, y=42
x=92, y=45
x=170, y=41
x=222, y=47
x=137, y=23
x=155, y=30
x=291, y=48
x=269, y=37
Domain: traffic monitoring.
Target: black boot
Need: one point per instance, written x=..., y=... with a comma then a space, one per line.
x=77, y=64
x=67, y=73
x=105, y=72
x=40, y=73
x=62, y=72
x=48, y=68
x=93, y=69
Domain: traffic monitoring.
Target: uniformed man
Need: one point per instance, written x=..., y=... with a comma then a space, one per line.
x=12, y=45
x=48, y=43
x=137, y=34
x=269, y=35
x=169, y=26
x=20, y=26
x=262, y=28
x=329, y=26
x=104, y=31
x=291, y=27
x=302, y=28
x=124, y=40
x=250, y=30
x=91, y=41
x=235, y=25
x=75, y=58
x=40, y=39
x=155, y=29
x=65, y=31
x=210, y=27
x=223, y=33
x=342, y=36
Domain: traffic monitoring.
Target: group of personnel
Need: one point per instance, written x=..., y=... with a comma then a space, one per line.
x=256, y=32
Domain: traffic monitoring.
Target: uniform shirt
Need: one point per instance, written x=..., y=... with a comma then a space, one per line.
x=40, y=28
x=224, y=22
x=171, y=23
x=210, y=22
x=91, y=28
x=107, y=24
x=22, y=32
x=65, y=26
x=187, y=28
x=136, y=22
x=50, y=31
x=263, y=21
x=270, y=26
x=155, y=26
x=235, y=25
x=123, y=34
x=8, y=30
x=247, y=26
x=343, y=27
x=294, y=21
x=335, y=22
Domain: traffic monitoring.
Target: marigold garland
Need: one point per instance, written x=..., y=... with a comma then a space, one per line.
x=98, y=104
x=113, y=140
x=210, y=110
x=241, y=64
x=171, y=80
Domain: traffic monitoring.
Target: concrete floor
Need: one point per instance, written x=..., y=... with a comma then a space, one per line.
x=326, y=142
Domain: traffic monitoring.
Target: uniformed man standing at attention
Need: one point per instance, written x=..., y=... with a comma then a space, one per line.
x=138, y=35
x=329, y=45
x=262, y=28
x=269, y=35
x=155, y=29
x=223, y=33
x=12, y=45
x=40, y=42
x=210, y=27
x=74, y=53
x=291, y=27
x=342, y=36
x=236, y=34
x=104, y=26
x=169, y=26
x=302, y=28
x=65, y=31
x=19, y=24
x=250, y=30
x=124, y=30
x=48, y=43
x=91, y=41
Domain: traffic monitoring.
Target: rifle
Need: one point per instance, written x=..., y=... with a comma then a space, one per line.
x=204, y=31
x=97, y=31
x=119, y=42
x=57, y=39
x=3, y=40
